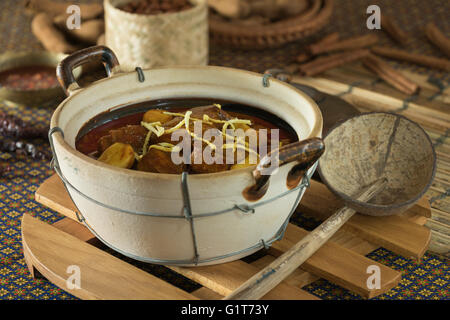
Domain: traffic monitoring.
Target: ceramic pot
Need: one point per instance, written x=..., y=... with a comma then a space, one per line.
x=145, y=215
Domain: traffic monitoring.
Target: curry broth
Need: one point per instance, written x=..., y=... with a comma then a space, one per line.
x=88, y=137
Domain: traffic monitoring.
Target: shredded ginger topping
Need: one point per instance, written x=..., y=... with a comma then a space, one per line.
x=165, y=146
x=158, y=130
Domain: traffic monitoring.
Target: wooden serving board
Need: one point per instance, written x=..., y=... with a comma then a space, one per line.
x=50, y=249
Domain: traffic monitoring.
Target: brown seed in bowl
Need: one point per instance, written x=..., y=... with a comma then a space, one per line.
x=151, y=7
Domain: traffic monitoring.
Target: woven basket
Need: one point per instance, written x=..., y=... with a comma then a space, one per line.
x=273, y=34
x=168, y=39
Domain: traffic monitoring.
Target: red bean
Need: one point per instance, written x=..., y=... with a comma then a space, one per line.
x=156, y=6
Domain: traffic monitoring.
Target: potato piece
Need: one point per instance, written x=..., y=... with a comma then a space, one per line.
x=119, y=155
x=159, y=161
x=156, y=115
x=242, y=126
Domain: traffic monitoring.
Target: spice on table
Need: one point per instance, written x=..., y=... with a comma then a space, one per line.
x=4, y=168
x=155, y=6
x=330, y=38
x=322, y=64
x=29, y=78
x=14, y=127
x=346, y=44
x=390, y=75
x=402, y=55
x=24, y=149
x=393, y=30
x=437, y=38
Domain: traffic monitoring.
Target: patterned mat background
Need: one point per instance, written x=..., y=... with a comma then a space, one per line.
x=428, y=279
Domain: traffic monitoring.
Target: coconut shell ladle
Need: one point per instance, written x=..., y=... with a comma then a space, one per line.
x=387, y=156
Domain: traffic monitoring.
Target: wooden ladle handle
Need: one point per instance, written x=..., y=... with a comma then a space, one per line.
x=305, y=153
x=269, y=277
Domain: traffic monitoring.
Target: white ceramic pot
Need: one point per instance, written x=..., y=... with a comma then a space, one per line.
x=106, y=195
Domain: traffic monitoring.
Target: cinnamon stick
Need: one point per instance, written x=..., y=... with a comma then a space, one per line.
x=51, y=38
x=347, y=44
x=390, y=75
x=88, y=32
x=401, y=55
x=322, y=64
x=437, y=38
x=393, y=30
x=330, y=38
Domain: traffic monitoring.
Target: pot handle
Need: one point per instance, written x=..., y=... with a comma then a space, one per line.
x=305, y=152
x=64, y=70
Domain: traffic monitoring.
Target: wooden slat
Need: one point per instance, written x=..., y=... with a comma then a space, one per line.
x=298, y=278
x=52, y=194
x=339, y=265
x=52, y=251
x=395, y=233
x=206, y=294
x=422, y=207
x=75, y=229
x=226, y=277
x=353, y=242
